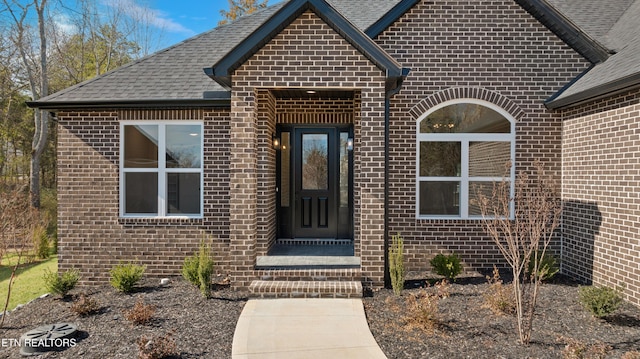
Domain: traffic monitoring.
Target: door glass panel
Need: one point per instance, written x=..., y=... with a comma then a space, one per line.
x=344, y=170
x=141, y=146
x=285, y=163
x=315, y=169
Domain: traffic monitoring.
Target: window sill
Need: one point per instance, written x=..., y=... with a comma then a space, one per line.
x=159, y=221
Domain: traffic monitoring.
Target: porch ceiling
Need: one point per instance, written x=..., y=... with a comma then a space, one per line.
x=297, y=93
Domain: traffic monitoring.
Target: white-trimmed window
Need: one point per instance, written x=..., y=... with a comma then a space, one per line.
x=161, y=169
x=462, y=148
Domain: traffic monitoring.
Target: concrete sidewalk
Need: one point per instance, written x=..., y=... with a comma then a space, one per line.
x=304, y=328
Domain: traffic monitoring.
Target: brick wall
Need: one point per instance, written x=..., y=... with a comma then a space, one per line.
x=601, y=193
x=493, y=51
x=92, y=237
x=310, y=54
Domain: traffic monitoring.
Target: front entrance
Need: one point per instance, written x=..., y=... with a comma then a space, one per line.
x=315, y=191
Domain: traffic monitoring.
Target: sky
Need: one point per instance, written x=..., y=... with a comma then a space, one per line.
x=185, y=18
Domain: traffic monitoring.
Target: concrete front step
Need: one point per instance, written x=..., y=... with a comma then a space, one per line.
x=305, y=289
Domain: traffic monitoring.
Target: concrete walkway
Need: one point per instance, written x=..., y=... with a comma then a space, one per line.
x=304, y=328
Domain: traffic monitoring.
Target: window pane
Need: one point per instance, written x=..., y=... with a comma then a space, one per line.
x=141, y=193
x=489, y=159
x=440, y=198
x=141, y=146
x=344, y=170
x=315, y=169
x=183, y=193
x=465, y=118
x=183, y=146
x=440, y=159
x=285, y=163
x=484, y=189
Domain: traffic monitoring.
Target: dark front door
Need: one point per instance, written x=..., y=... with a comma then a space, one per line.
x=314, y=183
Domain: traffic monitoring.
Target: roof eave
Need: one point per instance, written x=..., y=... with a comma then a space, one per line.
x=130, y=104
x=221, y=71
x=605, y=90
x=390, y=17
x=570, y=33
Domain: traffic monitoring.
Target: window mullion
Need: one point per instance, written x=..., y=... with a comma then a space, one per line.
x=464, y=180
x=162, y=171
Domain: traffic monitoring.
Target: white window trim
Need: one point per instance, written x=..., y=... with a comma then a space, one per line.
x=161, y=170
x=464, y=139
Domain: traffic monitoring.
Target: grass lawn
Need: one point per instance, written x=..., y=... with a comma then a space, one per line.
x=29, y=282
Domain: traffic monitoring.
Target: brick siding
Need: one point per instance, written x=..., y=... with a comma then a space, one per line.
x=92, y=237
x=488, y=50
x=601, y=193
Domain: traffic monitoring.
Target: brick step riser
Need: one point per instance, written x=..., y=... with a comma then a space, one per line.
x=342, y=275
x=305, y=289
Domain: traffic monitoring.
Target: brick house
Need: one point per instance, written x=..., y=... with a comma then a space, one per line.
x=333, y=124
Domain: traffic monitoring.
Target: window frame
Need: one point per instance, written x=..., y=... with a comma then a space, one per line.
x=464, y=139
x=161, y=170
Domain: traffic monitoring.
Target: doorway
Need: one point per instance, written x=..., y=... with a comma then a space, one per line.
x=314, y=193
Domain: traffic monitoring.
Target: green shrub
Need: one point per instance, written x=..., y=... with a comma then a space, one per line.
x=547, y=266
x=61, y=284
x=124, y=276
x=600, y=301
x=448, y=266
x=41, y=242
x=198, y=269
x=396, y=264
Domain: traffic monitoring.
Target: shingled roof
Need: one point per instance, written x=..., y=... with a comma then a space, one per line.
x=175, y=77
x=614, y=24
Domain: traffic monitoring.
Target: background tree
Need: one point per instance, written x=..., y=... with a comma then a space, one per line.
x=238, y=8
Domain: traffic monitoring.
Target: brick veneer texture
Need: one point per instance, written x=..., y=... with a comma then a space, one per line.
x=306, y=54
x=92, y=237
x=503, y=56
x=601, y=192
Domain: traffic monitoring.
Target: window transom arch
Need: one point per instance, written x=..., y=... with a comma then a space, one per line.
x=463, y=147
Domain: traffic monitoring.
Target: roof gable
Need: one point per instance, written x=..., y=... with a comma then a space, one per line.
x=223, y=69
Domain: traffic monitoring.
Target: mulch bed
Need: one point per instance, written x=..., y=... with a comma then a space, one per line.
x=203, y=328
x=465, y=328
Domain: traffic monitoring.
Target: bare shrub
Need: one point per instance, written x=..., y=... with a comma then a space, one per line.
x=422, y=311
x=522, y=225
x=498, y=297
x=575, y=349
x=85, y=305
x=141, y=313
x=631, y=355
x=157, y=347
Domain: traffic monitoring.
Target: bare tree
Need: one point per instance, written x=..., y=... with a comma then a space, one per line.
x=526, y=237
x=35, y=66
x=238, y=8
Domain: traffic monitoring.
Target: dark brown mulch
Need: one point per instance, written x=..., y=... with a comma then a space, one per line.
x=466, y=329
x=202, y=328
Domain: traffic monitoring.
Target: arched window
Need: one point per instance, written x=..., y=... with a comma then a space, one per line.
x=463, y=146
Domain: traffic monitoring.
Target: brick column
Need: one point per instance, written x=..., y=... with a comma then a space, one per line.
x=243, y=189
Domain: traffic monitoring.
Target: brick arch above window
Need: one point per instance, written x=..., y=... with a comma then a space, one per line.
x=455, y=93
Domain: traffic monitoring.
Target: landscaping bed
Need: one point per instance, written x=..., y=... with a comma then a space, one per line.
x=203, y=328
x=466, y=328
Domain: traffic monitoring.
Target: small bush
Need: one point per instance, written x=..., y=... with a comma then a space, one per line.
x=84, y=306
x=61, y=284
x=198, y=269
x=125, y=276
x=547, y=266
x=422, y=310
x=499, y=298
x=157, y=347
x=448, y=266
x=600, y=301
x=41, y=242
x=575, y=349
x=141, y=313
x=396, y=264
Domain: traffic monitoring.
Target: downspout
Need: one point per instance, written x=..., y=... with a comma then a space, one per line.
x=387, y=104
